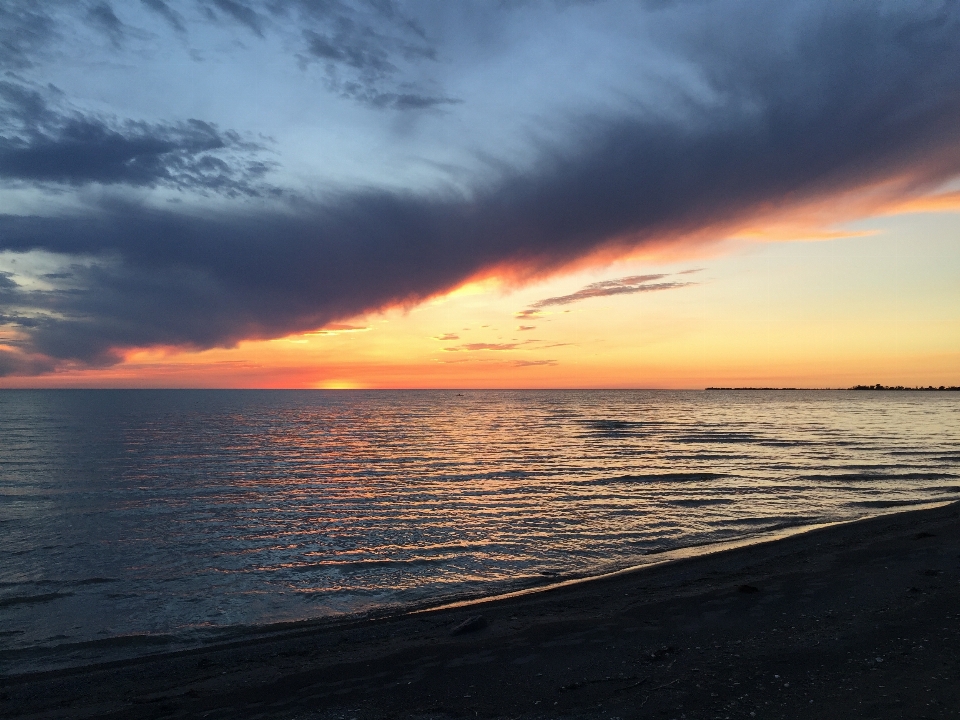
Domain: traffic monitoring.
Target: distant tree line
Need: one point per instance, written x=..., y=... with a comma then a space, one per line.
x=759, y=388
x=855, y=387
x=878, y=386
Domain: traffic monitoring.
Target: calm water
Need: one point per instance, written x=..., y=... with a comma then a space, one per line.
x=137, y=517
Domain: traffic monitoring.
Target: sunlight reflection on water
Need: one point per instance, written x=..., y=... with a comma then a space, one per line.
x=130, y=512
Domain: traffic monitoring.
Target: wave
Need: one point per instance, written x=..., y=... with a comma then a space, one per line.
x=654, y=477
x=700, y=502
x=59, y=583
x=619, y=428
x=361, y=565
x=32, y=599
x=887, y=503
x=917, y=453
x=769, y=522
x=721, y=437
x=855, y=477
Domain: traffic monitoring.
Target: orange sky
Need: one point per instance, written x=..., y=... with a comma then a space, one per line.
x=872, y=301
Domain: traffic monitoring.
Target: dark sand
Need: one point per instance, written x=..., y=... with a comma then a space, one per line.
x=851, y=621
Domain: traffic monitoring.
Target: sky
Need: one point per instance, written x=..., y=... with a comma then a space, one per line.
x=523, y=193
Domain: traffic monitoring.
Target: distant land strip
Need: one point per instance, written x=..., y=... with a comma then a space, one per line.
x=901, y=387
x=918, y=388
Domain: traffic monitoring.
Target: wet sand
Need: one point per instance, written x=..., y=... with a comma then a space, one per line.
x=857, y=620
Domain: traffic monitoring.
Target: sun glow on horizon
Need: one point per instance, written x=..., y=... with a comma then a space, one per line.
x=878, y=303
x=793, y=298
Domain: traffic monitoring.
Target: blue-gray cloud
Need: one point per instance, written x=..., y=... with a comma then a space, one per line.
x=102, y=16
x=241, y=13
x=363, y=46
x=172, y=17
x=45, y=144
x=797, y=102
x=25, y=29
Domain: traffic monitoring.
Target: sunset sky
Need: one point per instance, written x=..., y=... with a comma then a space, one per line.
x=367, y=193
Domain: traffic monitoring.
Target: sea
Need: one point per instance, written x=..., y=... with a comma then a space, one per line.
x=140, y=521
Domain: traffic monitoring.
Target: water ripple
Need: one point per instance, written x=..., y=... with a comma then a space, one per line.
x=163, y=514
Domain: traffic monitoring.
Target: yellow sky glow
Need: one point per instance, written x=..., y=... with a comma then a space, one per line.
x=874, y=301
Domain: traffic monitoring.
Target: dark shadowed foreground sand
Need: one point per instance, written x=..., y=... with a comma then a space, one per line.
x=852, y=621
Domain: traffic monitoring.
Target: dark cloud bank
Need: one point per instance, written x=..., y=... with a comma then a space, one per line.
x=806, y=102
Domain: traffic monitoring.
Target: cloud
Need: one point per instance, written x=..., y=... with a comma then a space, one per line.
x=345, y=327
x=447, y=336
x=795, y=103
x=105, y=19
x=13, y=363
x=241, y=13
x=336, y=328
x=533, y=363
x=401, y=101
x=621, y=286
x=7, y=283
x=367, y=57
x=174, y=18
x=523, y=328
x=41, y=142
x=370, y=52
x=24, y=29
x=473, y=347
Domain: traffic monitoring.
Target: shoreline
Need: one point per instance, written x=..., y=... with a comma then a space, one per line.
x=152, y=646
x=684, y=553
x=682, y=636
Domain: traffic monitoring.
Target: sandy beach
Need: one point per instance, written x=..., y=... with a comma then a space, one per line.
x=855, y=620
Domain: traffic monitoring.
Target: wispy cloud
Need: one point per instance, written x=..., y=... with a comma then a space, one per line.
x=335, y=328
x=105, y=19
x=621, y=286
x=364, y=49
x=484, y=346
x=447, y=337
x=167, y=13
x=533, y=363
x=240, y=13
